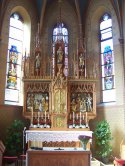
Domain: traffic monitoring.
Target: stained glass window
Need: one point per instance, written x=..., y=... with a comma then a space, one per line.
x=60, y=33
x=107, y=59
x=15, y=49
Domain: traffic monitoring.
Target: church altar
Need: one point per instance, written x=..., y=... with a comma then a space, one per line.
x=55, y=136
x=59, y=97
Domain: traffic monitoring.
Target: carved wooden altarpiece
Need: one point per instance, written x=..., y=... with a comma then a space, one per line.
x=53, y=100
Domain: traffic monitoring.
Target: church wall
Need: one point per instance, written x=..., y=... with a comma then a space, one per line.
x=112, y=112
x=10, y=113
x=7, y=115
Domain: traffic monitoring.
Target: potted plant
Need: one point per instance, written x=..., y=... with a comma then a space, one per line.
x=14, y=138
x=103, y=137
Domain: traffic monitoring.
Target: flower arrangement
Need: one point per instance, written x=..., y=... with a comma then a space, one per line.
x=84, y=140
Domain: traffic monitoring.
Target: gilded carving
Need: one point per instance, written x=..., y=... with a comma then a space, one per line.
x=60, y=101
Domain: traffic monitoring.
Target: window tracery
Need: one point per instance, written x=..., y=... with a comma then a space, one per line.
x=107, y=58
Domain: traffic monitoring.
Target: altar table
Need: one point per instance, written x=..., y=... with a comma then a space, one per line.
x=55, y=157
x=53, y=136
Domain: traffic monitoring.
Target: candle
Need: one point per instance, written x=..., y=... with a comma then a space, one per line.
x=32, y=111
x=73, y=117
x=70, y=116
x=31, y=116
x=48, y=116
x=77, y=116
x=52, y=108
x=38, y=114
x=86, y=117
x=41, y=144
x=45, y=117
x=80, y=118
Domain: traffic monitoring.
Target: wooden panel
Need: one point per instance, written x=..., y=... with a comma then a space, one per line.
x=58, y=158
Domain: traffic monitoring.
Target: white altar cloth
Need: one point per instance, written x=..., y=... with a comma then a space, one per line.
x=55, y=136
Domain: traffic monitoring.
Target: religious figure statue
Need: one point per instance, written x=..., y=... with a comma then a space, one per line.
x=44, y=104
x=73, y=105
x=60, y=55
x=78, y=99
x=36, y=104
x=83, y=105
x=37, y=63
x=89, y=102
x=40, y=107
x=81, y=61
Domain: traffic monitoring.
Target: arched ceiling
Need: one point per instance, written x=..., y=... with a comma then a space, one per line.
x=83, y=4
x=80, y=6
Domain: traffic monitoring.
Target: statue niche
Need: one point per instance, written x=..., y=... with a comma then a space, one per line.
x=59, y=56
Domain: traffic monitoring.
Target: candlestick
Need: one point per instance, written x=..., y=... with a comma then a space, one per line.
x=38, y=114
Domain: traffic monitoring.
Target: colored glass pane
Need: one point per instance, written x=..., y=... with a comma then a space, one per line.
x=107, y=55
x=107, y=59
x=16, y=43
x=15, y=48
x=108, y=82
x=107, y=70
x=106, y=43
